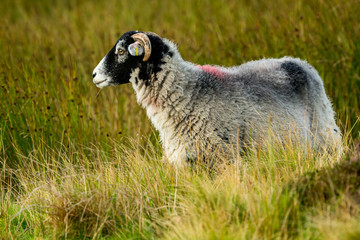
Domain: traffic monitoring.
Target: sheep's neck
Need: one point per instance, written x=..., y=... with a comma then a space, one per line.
x=163, y=90
x=165, y=98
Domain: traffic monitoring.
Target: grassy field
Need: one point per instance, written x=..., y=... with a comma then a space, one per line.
x=77, y=166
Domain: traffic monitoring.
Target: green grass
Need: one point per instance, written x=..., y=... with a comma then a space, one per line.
x=77, y=166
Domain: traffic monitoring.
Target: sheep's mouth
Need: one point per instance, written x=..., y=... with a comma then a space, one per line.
x=101, y=83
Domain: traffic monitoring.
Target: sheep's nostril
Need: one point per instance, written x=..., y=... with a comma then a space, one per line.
x=94, y=74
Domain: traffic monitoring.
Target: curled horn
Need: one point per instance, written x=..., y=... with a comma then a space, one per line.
x=154, y=34
x=145, y=42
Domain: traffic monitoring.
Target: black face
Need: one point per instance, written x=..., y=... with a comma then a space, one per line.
x=116, y=67
x=119, y=66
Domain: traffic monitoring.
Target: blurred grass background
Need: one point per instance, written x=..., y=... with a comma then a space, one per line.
x=50, y=113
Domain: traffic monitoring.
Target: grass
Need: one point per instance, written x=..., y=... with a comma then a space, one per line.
x=77, y=166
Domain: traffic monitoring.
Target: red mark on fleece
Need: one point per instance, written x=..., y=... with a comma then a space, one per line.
x=212, y=70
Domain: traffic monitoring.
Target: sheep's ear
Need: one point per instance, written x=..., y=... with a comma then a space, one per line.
x=136, y=49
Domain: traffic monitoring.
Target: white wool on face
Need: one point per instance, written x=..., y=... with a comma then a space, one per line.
x=101, y=79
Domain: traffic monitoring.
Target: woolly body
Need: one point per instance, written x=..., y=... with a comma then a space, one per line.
x=199, y=108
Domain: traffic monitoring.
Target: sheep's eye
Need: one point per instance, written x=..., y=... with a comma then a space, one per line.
x=121, y=52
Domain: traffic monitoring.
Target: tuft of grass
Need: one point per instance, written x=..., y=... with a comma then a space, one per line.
x=132, y=193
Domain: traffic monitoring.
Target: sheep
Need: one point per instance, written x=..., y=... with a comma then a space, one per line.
x=197, y=109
